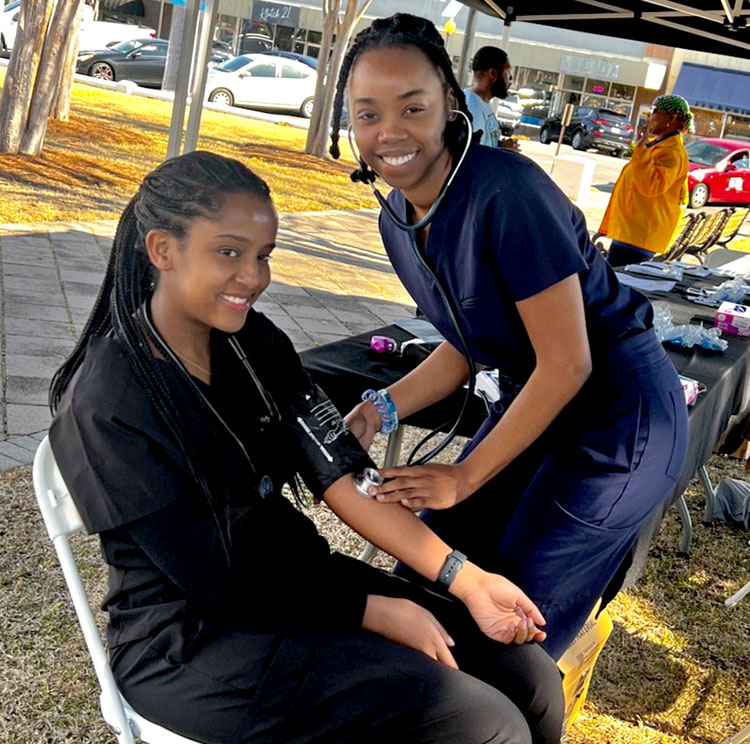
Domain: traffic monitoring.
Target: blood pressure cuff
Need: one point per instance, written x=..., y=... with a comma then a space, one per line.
x=327, y=449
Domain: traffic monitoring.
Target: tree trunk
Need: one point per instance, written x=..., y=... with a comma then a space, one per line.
x=61, y=107
x=22, y=71
x=48, y=76
x=330, y=16
x=342, y=26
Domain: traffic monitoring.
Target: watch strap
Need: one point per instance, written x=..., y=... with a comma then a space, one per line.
x=453, y=564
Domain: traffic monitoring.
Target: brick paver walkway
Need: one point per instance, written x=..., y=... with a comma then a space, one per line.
x=331, y=279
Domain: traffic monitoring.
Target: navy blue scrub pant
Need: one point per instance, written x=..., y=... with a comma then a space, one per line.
x=561, y=518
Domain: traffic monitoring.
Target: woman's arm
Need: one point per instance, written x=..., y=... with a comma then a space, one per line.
x=441, y=374
x=500, y=608
x=654, y=169
x=555, y=322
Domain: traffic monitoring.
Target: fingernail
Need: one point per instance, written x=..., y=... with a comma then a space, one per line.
x=381, y=497
x=404, y=502
x=451, y=642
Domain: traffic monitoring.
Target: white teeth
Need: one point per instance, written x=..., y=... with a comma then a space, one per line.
x=400, y=160
x=235, y=300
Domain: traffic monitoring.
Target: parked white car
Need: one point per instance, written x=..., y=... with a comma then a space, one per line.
x=93, y=35
x=262, y=81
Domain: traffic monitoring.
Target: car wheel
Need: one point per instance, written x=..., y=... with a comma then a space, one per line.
x=102, y=70
x=2, y=42
x=616, y=153
x=306, y=109
x=544, y=136
x=577, y=141
x=699, y=195
x=222, y=96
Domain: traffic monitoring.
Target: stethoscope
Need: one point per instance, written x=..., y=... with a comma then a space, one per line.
x=265, y=484
x=413, y=230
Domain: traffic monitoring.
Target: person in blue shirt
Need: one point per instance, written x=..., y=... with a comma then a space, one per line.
x=492, y=78
x=590, y=436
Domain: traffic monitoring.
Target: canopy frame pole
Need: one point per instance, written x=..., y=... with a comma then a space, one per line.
x=470, y=30
x=200, y=74
x=174, y=145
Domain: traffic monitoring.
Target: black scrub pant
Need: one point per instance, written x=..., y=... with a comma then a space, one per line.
x=235, y=686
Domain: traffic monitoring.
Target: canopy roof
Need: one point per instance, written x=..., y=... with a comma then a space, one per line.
x=718, y=26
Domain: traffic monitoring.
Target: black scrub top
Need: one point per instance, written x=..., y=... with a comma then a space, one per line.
x=503, y=233
x=167, y=560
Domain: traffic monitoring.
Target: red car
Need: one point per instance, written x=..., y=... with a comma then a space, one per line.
x=719, y=171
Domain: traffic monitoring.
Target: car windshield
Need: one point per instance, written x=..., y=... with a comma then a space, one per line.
x=705, y=153
x=126, y=46
x=232, y=65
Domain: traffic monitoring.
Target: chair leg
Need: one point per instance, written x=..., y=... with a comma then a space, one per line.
x=735, y=599
x=686, y=537
x=708, y=489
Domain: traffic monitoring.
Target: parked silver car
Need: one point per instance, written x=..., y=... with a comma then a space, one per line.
x=263, y=81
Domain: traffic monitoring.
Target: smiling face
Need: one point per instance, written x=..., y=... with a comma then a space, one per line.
x=210, y=277
x=399, y=106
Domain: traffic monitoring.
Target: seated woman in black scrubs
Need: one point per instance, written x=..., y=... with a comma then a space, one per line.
x=179, y=416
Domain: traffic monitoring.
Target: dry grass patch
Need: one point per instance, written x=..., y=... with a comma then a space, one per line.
x=92, y=164
x=674, y=671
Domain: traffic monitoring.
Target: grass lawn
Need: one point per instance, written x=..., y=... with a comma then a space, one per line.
x=674, y=671
x=92, y=165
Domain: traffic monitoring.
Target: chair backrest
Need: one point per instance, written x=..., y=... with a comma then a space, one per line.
x=693, y=225
x=678, y=236
x=61, y=519
x=732, y=225
x=707, y=234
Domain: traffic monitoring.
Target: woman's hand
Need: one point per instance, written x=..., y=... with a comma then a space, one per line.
x=424, y=486
x=405, y=622
x=501, y=610
x=364, y=422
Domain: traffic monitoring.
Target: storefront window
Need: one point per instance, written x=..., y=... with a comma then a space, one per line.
x=621, y=107
x=623, y=92
x=225, y=29
x=594, y=101
x=597, y=87
x=573, y=82
x=707, y=123
x=738, y=127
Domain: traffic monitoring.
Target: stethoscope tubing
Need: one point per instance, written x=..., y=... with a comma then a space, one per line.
x=412, y=230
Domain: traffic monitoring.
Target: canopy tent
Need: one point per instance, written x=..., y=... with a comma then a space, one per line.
x=716, y=26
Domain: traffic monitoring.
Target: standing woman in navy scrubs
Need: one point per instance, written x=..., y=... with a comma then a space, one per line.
x=555, y=487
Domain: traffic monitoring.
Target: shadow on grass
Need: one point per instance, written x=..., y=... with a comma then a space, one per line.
x=655, y=680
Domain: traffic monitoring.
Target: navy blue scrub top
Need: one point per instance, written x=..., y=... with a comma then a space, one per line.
x=504, y=233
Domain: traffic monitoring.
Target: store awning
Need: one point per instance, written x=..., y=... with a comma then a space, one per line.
x=708, y=87
x=716, y=26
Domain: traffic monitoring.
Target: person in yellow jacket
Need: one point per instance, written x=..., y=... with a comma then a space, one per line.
x=651, y=191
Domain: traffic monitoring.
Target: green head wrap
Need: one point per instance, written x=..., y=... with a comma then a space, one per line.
x=675, y=105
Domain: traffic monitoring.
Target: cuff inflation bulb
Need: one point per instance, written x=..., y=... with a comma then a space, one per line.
x=368, y=478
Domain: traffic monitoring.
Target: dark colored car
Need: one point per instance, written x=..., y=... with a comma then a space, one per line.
x=141, y=60
x=600, y=128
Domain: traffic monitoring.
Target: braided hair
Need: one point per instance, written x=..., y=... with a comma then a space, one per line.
x=400, y=30
x=178, y=191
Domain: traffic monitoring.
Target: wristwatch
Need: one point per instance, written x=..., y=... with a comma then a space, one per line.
x=453, y=564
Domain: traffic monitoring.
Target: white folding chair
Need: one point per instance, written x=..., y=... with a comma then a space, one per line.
x=61, y=519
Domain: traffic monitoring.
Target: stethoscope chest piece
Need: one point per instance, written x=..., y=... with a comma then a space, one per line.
x=265, y=487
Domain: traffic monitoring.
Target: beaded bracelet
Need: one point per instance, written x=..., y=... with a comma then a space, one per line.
x=385, y=407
